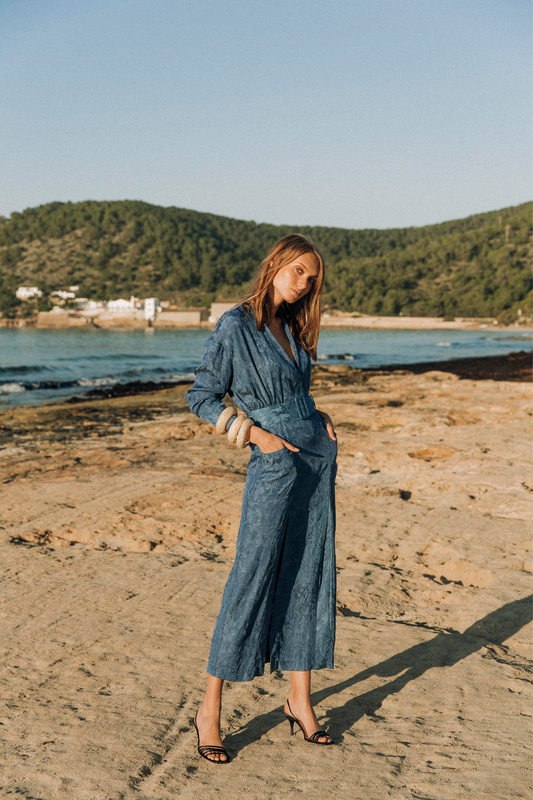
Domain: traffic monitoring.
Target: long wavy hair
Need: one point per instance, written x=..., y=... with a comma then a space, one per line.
x=303, y=316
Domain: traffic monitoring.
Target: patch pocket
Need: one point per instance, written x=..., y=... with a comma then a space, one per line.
x=276, y=455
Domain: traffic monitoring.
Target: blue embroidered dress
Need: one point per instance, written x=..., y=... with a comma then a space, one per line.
x=278, y=605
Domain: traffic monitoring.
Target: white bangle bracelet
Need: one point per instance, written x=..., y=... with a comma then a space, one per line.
x=224, y=418
x=241, y=436
x=238, y=428
x=235, y=427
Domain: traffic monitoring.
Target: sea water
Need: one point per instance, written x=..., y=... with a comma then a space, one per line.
x=38, y=366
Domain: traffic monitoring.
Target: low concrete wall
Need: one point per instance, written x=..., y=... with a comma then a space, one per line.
x=120, y=320
x=178, y=319
x=217, y=309
x=110, y=319
x=64, y=319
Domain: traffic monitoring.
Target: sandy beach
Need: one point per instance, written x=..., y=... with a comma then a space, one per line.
x=119, y=522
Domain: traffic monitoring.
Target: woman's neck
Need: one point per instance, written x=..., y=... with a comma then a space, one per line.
x=274, y=307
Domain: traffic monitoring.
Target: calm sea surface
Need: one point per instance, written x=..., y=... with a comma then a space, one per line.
x=38, y=366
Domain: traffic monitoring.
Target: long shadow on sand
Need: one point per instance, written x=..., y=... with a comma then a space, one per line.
x=444, y=650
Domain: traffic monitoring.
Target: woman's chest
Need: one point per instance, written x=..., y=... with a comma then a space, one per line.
x=260, y=360
x=278, y=332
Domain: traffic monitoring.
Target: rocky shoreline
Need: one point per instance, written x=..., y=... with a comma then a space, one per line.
x=511, y=367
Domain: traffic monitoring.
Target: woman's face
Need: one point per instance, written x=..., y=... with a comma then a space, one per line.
x=295, y=279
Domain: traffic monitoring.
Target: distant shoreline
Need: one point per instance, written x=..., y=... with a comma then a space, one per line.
x=415, y=323
x=336, y=320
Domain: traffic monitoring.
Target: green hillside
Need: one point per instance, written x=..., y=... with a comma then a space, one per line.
x=477, y=266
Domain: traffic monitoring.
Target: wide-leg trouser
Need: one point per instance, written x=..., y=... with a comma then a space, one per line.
x=278, y=605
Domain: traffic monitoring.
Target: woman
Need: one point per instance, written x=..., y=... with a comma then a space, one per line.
x=279, y=602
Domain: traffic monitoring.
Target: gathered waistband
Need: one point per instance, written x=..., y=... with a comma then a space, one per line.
x=300, y=407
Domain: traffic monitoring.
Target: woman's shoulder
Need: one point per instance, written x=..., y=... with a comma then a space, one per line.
x=234, y=320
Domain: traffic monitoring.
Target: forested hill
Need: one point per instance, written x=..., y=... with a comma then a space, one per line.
x=477, y=266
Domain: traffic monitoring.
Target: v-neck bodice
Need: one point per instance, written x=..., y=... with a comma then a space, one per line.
x=250, y=365
x=290, y=339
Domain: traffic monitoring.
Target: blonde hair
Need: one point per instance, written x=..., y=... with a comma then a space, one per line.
x=303, y=316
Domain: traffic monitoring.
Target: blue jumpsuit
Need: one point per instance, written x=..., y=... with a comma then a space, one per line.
x=278, y=605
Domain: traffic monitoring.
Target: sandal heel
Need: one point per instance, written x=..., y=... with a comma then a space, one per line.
x=315, y=738
x=291, y=723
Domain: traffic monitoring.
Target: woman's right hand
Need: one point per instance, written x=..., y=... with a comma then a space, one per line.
x=268, y=442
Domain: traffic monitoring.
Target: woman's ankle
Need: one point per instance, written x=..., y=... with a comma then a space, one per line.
x=297, y=700
x=209, y=710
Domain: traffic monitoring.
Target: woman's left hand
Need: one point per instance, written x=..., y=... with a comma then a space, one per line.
x=328, y=423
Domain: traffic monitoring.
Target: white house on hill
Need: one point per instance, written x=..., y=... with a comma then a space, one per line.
x=26, y=292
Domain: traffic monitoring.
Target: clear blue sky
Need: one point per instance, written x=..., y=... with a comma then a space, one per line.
x=351, y=113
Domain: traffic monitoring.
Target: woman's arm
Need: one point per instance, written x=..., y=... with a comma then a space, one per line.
x=213, y=377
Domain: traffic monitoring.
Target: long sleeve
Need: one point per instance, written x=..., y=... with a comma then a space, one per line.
x=213, y=377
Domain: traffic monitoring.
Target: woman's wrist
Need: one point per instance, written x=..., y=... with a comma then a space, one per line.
x=251, y=434
x=257, y=435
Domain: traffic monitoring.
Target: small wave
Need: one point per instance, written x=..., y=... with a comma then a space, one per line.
x=443, y=344
x=10, y=388
x=336, y=357
x=23, y=369
x=515, y=338
x=28, y=386
x=114, y=357
x=138, y=370
x=187, y=376
x=95, y=381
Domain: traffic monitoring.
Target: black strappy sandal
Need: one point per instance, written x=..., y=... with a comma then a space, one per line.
x=207, y=750
x=315, y=737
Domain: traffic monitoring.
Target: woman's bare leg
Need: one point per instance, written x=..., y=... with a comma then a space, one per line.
x=208, y=719
x=300, y=703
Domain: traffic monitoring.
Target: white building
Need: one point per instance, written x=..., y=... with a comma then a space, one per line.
x=26, y=292
x=122, y=305
x=88, y=307
x=151, y=306
x=64, y=295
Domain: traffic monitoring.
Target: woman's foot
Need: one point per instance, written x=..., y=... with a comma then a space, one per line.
x=303, y=711
x=208, y=726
